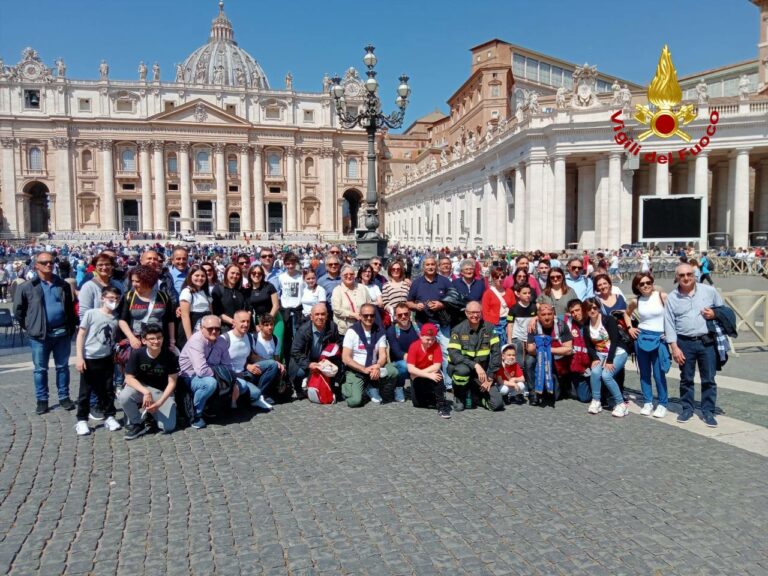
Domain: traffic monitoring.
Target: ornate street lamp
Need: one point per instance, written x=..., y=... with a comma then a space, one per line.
x=372, y=119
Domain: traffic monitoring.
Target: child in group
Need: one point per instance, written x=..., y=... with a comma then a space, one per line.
x=510, y=377
x=424, y=361
x=266, y=349
x=518, y=319
x=94, y=360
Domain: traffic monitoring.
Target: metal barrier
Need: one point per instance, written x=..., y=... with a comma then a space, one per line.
x=751, y=310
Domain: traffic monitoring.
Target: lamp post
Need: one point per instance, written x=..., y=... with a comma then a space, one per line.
x=372, y=119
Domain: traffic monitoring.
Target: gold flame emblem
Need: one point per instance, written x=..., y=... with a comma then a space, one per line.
x=665, y=94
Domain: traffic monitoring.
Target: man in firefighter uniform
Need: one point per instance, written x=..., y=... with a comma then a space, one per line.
x=474, y=357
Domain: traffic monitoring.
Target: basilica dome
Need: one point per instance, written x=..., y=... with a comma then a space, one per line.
x=221, y=61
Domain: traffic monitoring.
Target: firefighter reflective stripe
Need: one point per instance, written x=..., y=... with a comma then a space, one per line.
x=494, y=340
x=460, y=380
x=472, y=353
x=454, y=346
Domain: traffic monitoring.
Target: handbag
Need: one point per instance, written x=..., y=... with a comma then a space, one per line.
x=122, y=352
x=225, y=378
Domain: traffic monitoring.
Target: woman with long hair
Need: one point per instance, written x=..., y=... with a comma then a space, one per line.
x=145, y=304
x=611, y=299
x=396, y=290
x=261, y=296
x=227, y=297
x=601, y=335
x=194, y=303
x=210, y=272
x=557, y=293
x=496, y=303
x=651, y=349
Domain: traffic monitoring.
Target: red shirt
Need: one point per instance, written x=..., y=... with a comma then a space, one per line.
x=507, y=372
x=423, y=359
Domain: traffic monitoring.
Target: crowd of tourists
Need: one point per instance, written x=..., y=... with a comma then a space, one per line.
x=174, y=336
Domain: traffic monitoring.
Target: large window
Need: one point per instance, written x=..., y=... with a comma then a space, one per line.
x=173, y=165
x=274, y=164
x=353, y=168
x=124, y=105
x=532, y=69
x=232, y=165
x=518, y=65
x=128, y=160
x=309, y=168
x=203, y=162
x=32, y=99
x=87, y=160
x=545, y=73
x=35, y=159
x=272, y=113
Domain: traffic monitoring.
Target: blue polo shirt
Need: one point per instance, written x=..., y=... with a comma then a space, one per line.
x=178, y=278
x=55, y=315
x=422, y=290
x=473, y=292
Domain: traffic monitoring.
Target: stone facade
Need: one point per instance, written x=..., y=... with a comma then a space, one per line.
x=217, y=150
x=546, y=173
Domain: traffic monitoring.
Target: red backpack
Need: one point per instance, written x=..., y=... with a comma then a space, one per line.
x=318, y=384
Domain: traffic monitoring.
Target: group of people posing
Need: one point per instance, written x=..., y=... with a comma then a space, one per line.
x=191, y=340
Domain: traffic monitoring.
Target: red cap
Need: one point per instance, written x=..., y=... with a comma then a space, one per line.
x=429, y=330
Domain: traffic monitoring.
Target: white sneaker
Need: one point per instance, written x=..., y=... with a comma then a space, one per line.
x=82, y=428
x=647, y=409
x=660, y=411
x=595, y=407
x=261, y=403
x=373, y=394
x=111, y=424
x=620, y=411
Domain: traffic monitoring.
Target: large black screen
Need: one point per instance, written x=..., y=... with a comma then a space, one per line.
x=670, y=218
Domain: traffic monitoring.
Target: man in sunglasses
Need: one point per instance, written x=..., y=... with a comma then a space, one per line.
x=330, y=279
x=576, y=279
x=44, y=307
x=333, y=252
x=204, y=349
x=364, y=353
x=400, y=336
x=271, y=272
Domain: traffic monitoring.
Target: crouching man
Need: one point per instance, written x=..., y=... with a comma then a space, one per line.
x=364, y=353
x=254, y=376
x=150, y=379
x=473, y=359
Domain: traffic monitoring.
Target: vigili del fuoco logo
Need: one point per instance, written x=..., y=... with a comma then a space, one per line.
x=664, y=117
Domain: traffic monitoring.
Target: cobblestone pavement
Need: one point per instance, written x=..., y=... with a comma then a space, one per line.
x=379, y=490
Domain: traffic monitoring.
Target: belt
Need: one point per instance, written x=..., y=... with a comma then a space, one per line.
x=692, y=338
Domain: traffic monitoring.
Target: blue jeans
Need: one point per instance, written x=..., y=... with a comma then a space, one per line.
x=402, y=372
x=649, y=363
x=602, y=376
x=706, y=356
x=443, y=337
x=203, y=388
x=269, y=374
x=41, y=353
x=501, y=332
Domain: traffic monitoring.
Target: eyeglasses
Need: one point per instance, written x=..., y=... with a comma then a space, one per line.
x=555, y=277
x=641, y=284
x=396, y=269
x=267, y=255
x=473, y=313
x=243, y=263
x=212, y=328
x=348, y=275
x=335, y=252
x=403, y=315
x=685, y=274
x=45, y=262
x=367, y=316
x=332, y=264
x=375, y=263
x=257, y=274
x=577, y=268
x=103, y=265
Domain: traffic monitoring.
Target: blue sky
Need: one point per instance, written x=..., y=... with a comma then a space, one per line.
x=427, y=39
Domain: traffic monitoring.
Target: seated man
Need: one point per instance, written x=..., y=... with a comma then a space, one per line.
x=425, y=361
x=473, y=359
x=400, y=336
x=308, y=344
x=150, y=380
x=549, y=348
x=364, y=353
x=204, y=349
x=253, y=376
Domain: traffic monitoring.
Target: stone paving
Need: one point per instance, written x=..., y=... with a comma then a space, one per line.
x=379, y=490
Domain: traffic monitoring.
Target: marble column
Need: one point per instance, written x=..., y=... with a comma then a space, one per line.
x=661, y=180
x=222, y=215
x=613, y=225
x=520, y=227
x=571, y=210
x=65, y=211
x=501, y=210
x=147, y=219
x=290, y=159
x=534, y=189
x=721, y=204
x=246, y=208
x=761, y=197
x=185, y=179
x=328, y=196
x=161, y=205
x=585, y=225
x=108, y=181
x=602, y=185
x=741, y=199
x=258, y=191
x=9, y=186
x=690, y=188
x=701, y=189
x=547, y=205
x=627, y=207
x=558, y=238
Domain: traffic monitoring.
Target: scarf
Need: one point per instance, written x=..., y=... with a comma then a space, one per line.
x=376, y=334
x=544, y=379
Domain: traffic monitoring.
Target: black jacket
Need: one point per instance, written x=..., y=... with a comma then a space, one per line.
x=612, y=327
x=302, y=344
x=29, y=307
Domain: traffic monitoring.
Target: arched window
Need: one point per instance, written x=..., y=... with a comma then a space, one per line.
x=173, y=165
x=273, y=164
x=234, y=222
x=87, y=160
x=232, y=165
x=309, y=168
x=35, y=159
x=203, y=162
x=128, y=160
x=353, y=168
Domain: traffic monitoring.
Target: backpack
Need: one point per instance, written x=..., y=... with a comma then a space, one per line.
x=318, y=385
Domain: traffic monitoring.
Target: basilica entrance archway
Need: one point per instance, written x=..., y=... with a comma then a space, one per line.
x=38, y=207
x=350, y=210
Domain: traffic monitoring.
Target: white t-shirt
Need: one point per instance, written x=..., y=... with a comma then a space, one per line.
x=353, y=342
x=291, y=288
x=373, y=291
x=239, y=350
x=310, y=298
x=198, y=301
x=265, y=348
x=614, y=261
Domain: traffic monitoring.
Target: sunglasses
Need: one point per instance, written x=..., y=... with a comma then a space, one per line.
x=45, y=262
x=577, y=268
x=267, y=255
x=257, y=274
x=243, y=263
x=397, y=269
x=367, y=315
x=332, y=264
x=555, y=277
x=641, y=284
x=212, y=329
x=685, y=274
x=403, y=315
